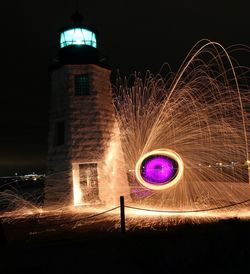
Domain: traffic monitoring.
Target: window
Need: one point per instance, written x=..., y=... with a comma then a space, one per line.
x=59, y=133
x=82, y=85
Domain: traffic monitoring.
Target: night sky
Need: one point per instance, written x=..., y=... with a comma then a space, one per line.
x=135, y=35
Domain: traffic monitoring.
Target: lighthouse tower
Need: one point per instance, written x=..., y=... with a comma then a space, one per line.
x=85, y=162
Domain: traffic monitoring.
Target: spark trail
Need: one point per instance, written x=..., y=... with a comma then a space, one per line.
x=201, y=114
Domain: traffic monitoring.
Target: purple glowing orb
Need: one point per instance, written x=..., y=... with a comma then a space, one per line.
x=158, y=169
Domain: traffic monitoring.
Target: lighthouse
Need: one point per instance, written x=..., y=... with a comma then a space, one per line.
x=85, y=163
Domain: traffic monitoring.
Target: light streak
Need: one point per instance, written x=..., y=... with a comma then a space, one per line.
x=165, y=152
x=200, y=115
x=77, y=192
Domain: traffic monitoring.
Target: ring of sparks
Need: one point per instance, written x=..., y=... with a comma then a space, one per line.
x=159, y=169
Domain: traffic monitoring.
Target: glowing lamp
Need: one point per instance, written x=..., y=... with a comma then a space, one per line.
x=78, y=43
x=78, y=36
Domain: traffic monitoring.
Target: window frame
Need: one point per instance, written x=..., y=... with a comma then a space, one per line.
x=81, y=84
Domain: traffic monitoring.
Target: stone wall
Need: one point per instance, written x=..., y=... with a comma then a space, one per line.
x=58, y=186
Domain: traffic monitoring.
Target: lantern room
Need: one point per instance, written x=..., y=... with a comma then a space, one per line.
x=77, y=36
x=78, y=43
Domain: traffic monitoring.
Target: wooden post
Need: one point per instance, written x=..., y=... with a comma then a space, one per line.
x=122, y=215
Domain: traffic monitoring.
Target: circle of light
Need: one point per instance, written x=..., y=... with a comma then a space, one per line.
x=158, y=169
x=164, y=152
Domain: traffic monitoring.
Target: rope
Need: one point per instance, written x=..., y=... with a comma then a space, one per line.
x=188, y=211
x=150, y=210
x=91, y=216
x=75, y=220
